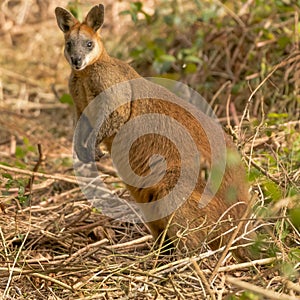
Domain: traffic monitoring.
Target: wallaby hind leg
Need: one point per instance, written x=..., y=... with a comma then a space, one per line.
x=161, y=237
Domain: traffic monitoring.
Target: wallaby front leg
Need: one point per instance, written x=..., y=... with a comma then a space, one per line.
x=85, y=141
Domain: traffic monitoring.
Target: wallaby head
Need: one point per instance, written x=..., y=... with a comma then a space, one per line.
x=83, y=45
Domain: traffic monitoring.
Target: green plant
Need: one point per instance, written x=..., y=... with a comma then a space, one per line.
x=19, y=183
x=75, y=9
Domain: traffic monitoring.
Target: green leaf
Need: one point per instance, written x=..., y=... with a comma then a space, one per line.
x=8, y=176
x=295, y=217
x=20, y=152
x=272, y=190
x=20, y=165
x=254, y=174
x=294, y=254
x=167, y=58
x=283, y=41
x=74, y=12
x=135, y=53
x=169, y=20
x=66, y=98
x=21, y=191
x=277, y=116
x=190, y=68
x=125, y=12
x=192, y=59
x=161, y=67
x=136, y=6
x=288, y=270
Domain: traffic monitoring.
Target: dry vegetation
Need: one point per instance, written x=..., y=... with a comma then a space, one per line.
x=54, y=245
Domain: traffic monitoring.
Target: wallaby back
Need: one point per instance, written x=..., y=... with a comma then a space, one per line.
x=192, y=224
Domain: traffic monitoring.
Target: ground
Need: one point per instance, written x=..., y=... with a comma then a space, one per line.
x=54, y=243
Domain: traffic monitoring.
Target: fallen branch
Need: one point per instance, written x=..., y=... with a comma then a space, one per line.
x=19, y=271
x=230, y=242
x=269, y=294
x=259, y=262
x=203, y=279
x=69, y=179
x=84, y=250
x=131, y=243
x=28, y=187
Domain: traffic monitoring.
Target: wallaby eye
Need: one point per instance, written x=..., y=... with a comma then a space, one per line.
x=89, y=44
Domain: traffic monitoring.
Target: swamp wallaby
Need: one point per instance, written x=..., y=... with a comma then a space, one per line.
x=193, y=222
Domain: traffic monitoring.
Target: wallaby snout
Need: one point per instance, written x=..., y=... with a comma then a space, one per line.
x=76, y=62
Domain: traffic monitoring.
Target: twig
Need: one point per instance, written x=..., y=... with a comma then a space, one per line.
x=20, y=77
x=4, y=246
x=55, y=259
x=107, y=170
x=20, y=271
x=11, y=270
x=231, y=240
x=219, y=91
x=229, y=118
x=85, y=227
x=258, y=262
x=25, y=105
x=28, y=187
x=292, y=285
x=232, y=14
x=35, y=187
x=245, y=8
x=263, y=171
x=162, y=239
x=131, y=243
x=145, y=281
x=85, y=249
x=269, y=294
x=69, y=179
x=184, y=261
x=287, y=61
x=203, y=279
x=176, y=290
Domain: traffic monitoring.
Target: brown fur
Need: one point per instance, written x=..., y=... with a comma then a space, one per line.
x=102, y=72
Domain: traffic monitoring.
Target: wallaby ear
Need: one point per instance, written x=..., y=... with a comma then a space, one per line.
x=95, y=17
x=65, y=19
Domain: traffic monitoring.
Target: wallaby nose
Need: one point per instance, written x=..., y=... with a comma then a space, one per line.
x=76, y=61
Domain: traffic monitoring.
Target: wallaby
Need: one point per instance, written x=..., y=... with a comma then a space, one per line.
x=93, y=72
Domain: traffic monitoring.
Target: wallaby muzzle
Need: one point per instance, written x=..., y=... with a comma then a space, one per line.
x=76, y=62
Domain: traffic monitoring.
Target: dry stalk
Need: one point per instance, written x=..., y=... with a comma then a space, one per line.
x=20, y=77
x=292, y=285
x=69, y=179
x=241, y=266
x=203, y=279
x=163, y=239
x=292, y=58
x=232, y=238
x=84, y=250
x=262, y=170
x=11, y=269
x=269, y=294
x=19, y=271
x=130, y=243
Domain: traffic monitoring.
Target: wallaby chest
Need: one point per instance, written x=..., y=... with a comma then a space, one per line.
x=89, y=83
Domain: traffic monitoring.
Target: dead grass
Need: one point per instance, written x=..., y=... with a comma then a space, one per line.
x=54, y=245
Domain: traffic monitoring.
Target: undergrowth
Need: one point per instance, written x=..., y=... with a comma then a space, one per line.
x=241, y=56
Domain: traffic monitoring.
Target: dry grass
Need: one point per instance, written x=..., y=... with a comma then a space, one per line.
x=54, y=245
